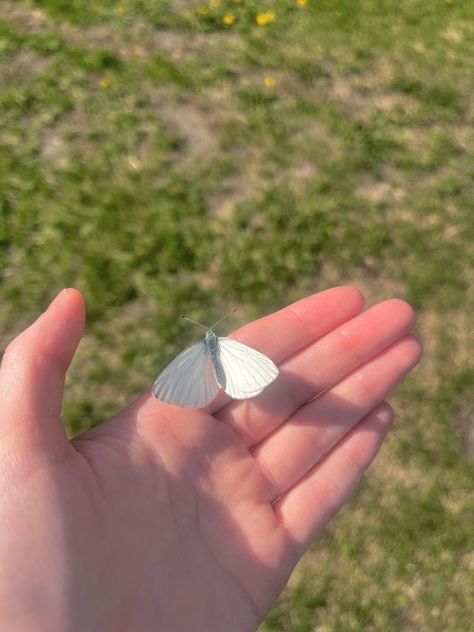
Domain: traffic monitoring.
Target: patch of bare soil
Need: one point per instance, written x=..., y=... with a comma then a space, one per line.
x=364, y=101
x=55, y=144
x=193, y=126
x=185, y=46
x=24, y=17
x=378, y=190
x=365, y=93
x=53, y=149
x=130, y=39
x=198, y=121
x=463, y=419
x=234, y=190
x=24, y=64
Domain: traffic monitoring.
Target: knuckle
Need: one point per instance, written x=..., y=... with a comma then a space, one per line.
x=30, y=353
x=328, y=498
x=363, y=386
x=347, y=344
x=13, y=351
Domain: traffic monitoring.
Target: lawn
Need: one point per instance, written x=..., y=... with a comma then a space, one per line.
x=183, y=157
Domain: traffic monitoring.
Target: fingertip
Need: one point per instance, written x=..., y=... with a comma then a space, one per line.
x=344, y=291
x=403, y=310
x=384, y=415
x=67, y=294
x=58, y=331
x=353, y=293
x=70, y=292
x=68, y=304
x=75, y=301
x=408, y=349
x=415, y=346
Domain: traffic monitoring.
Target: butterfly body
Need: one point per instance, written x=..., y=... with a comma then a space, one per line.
x=212, y=343
x=194, y=377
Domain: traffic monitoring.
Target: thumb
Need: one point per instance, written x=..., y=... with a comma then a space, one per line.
x=32, y=378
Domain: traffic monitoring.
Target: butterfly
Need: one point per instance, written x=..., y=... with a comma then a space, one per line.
x=194, y=377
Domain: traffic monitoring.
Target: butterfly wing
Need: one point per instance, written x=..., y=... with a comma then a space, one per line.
x=188, y=380
x=247, y=371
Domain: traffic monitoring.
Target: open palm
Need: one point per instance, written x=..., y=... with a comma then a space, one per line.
x=172, y=519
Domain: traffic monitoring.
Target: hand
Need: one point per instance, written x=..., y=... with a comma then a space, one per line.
x=171, y=519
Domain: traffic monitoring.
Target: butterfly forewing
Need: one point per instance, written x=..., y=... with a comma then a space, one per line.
x=247, y=371
x=188, y=380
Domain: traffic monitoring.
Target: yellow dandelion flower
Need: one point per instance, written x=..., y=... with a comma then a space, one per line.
x=263, y=19
x=214, y=4
x=301, y=3
x=228, y=19
x=203, y=11
x=105, y=82
x=122, y=9
x=269, y=81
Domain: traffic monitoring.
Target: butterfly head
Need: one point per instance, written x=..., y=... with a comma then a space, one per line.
x=210, y=335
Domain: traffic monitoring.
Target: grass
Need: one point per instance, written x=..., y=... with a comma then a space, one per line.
x=165, y=162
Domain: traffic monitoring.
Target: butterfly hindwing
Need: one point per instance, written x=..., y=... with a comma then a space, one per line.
x=247, y=372
x=189, y=380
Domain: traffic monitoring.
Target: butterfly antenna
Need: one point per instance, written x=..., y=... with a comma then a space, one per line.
x=193, y=321
x=221, y=319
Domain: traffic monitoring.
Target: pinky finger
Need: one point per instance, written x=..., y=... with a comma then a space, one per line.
x=307, y=508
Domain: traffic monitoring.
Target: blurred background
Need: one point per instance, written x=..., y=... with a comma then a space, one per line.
x=169, y=157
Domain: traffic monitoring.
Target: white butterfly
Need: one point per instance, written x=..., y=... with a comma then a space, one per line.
x=193, y=378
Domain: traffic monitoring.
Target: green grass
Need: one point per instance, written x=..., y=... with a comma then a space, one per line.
x=145, y=160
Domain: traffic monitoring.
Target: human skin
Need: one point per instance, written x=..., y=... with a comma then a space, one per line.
x=172, y=519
